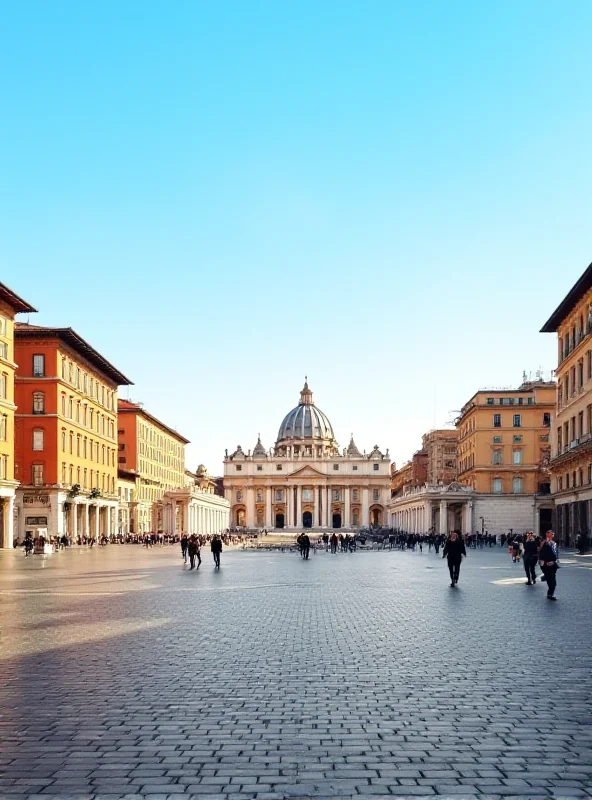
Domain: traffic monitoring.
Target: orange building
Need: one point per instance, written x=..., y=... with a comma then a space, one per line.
x=504, y=451
x=155, y=453
x=10, y=304
x=66, y=434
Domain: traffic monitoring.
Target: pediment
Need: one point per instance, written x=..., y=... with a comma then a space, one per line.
x=307, y=472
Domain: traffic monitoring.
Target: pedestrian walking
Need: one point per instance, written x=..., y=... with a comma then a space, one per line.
x=530, y=554
x=454, y=550
x=216, y=548
x=549, y=561
x=184, y=543
x=305, y=546
x=193, y=550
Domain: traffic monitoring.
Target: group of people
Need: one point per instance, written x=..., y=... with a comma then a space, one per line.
x=191, y=546
x=529, y=548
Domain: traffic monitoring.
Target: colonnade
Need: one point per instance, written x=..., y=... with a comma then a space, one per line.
x=419, y=518
x=194, y=516
x=290, y=500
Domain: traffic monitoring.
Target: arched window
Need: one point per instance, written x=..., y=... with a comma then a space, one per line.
x=38, y=439
x=38, y=403
x=64, y=441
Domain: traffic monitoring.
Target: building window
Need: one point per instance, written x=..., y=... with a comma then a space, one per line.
x=354, y=468
x=517, y=438
x=4, y=350
x=497, y=486
x=2, y=326
x=239, y=468
x=279, y=495
x=64, y=440
x=497, y=457
x=520, y=401
x=3, y=385
x=278, y=467
x=517, y=485
x=259, y=496
x=239, y=496
x=375, y=467
x=490, y=401
x=559, y=484
x=38, y=403
x=38, y=439
x=335, y=466
x=517, y=421
x=376, y=495
x=336, y=495
x=37, y=474
x=70, y=407
x=497, y=420
x=39, y=366
x=355, y=495
x=497, y=439
x=517, y=457
x=531, y=401
x=259, y=468
x=3, y=427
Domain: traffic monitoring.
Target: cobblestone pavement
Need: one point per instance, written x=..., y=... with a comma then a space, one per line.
x=126, y=675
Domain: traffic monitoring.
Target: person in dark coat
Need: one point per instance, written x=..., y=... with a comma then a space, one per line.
x=454, y=550
x=548, y=559
x=305, y=545
x=184, y=545
x=193, y=550
x=531, y=550
x=216, y=548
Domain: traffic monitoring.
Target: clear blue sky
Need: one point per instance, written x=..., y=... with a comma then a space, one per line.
x=223, y=196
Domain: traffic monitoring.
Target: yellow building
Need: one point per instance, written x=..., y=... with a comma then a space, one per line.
x=155, y=453
x=571, y=462
x=10, y=304
x=504, y=450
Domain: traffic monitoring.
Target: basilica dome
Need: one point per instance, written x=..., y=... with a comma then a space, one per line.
x=306, y=421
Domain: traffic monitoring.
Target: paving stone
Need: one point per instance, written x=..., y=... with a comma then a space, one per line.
x=325, y=677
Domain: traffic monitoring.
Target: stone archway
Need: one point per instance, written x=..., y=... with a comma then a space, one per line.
x=307, y=519
x=239, y=517
x=336, y=520
x=279, y=520
x=376, y=516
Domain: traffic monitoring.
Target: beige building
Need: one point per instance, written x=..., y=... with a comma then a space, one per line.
x=571, y=439
x=197, y=507
x=441, y=449
x=155, y=453
x=305, y=481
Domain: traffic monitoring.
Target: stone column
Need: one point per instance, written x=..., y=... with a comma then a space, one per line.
x=268, y=505
x=299, y=506
x=250, y=507
x=444, y=517
x=108, y=529
x=97, y=522
x=328, y=508
x=74, y=517
x=365, y=519
x=86, y=531
x=6, y=534
x=468, y=516
x=346, y=506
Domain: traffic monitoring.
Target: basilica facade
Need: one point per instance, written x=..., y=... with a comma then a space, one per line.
x=305, y=480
